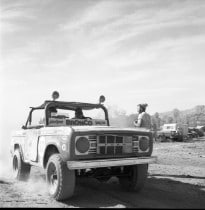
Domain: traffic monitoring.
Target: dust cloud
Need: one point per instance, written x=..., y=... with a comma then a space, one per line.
x=119, y=118
x=5, y=169
x=5, y=161
x=36, y=183
x=5, y=155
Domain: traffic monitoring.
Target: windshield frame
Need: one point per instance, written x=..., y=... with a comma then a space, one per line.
x=64, y=105
x=73, y=106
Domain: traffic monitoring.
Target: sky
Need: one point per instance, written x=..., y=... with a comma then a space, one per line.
x=131, y=52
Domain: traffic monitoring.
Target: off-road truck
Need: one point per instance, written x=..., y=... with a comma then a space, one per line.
x=69, y=148
x=173, y=132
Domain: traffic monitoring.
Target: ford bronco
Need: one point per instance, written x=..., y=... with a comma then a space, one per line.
x=68, y=147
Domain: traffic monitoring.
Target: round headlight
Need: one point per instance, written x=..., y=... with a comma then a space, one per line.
x=82, y=145
x=144, y=143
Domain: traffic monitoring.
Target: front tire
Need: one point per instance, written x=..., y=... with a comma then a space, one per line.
x=60, y=180
x=21, y=170
x=135, y=178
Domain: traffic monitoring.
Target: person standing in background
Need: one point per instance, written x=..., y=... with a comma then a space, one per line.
x=156, y=121
x=144, y=119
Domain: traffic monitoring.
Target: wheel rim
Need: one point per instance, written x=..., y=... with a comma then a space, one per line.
x=52, y=179
x=15, y=166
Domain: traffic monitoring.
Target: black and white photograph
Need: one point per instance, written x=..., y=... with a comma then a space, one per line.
x=102, y=104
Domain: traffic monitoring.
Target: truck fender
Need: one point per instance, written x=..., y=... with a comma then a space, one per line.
x=50, y=149
x=18, y=146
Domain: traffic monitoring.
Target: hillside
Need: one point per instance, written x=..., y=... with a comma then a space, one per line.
x=193, y=117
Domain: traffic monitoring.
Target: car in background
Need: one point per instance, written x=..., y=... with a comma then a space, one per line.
x=199, y=131
x=192, y=133
x=173, y=132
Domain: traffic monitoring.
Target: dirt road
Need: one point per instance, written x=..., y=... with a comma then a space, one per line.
x=176, y=181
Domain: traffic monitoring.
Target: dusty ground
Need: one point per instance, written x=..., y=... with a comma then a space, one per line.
x=176, y=181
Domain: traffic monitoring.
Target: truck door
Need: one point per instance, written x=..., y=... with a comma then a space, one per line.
x=33, y=134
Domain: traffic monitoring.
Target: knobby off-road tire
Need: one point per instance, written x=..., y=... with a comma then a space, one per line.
x=21, y=170
x=161, y=139
x=168, y=140
x=60, y=180
x=136, y=179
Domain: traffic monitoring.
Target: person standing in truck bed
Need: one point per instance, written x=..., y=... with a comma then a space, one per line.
x=144, y=119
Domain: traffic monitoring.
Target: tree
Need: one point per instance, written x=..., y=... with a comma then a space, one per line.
x=156, y=121
x=176, y=115
x=170, y=120
x=200, y=109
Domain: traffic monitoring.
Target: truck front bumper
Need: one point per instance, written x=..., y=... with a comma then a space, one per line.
x=83, y=164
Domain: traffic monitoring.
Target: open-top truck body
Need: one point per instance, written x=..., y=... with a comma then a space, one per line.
x=67, y=147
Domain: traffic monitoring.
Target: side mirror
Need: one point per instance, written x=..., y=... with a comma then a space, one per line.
x=23, y=127
x=102, y=99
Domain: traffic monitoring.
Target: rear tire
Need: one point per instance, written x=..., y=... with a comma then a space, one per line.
x=60, y=180
x=21, y=170
x=168, y=139
x=161, y=138
x=136, y=178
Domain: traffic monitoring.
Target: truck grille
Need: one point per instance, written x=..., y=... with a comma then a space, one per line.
x=135, y=144
x=93, y=144
x=113, y=144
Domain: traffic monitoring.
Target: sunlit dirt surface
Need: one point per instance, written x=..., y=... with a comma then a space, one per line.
x=177, y=180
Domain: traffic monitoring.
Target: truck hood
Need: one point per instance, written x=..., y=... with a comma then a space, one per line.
x=108, y=129
x=65, y=130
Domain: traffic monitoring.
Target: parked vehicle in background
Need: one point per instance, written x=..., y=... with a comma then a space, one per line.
x=199, y=131
x=173, y=132
x=201, y=128
x=192, y=133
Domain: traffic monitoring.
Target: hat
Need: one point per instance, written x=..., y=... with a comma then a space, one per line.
x=143, y=105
